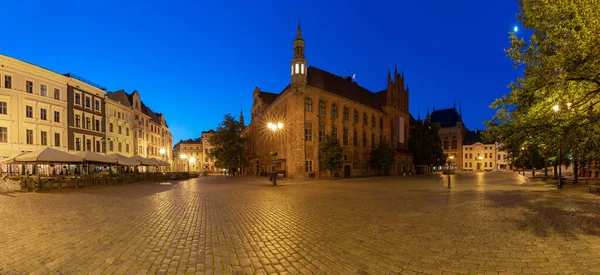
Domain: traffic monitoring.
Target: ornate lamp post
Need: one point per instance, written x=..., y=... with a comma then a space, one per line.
x=192, y=161
x=184, y=158
x=556, y=108
x=274, y=127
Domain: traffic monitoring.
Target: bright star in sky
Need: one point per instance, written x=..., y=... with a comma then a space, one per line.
x=516, y=29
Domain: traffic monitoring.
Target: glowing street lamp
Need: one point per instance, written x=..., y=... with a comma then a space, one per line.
x=555, y=108
x=183, y=157
x=274, y=127
x=192, y=161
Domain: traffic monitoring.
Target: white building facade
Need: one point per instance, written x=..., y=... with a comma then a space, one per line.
x=33, y=108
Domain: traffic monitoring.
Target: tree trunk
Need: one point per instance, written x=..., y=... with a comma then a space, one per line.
x=555, y=169
x=575, y=170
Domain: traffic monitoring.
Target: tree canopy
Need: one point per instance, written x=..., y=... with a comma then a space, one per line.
x=554, y=104
x=382, y=157
x=331, y=153
x=425, y=144
x=228, y=150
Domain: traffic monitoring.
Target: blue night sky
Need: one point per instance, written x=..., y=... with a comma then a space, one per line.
x=197, y=60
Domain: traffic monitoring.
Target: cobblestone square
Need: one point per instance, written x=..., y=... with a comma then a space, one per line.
x=487, y=223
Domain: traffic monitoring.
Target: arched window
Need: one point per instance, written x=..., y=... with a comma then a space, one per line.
x=297, y=68
x=365, y=119
x=446, y=143
x=334, y=111
x=308, y=105
x=372, y=121
x=302, y=68
x=355, y=116
x=321, y=107
x=454, y=142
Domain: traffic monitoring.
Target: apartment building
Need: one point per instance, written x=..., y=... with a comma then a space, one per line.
x=33, y=108
x=120, y=121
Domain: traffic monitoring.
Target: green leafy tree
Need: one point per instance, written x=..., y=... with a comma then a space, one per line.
x=425, y=144
x=382, y=157
x=228, y=150
x=331, y=153
x=554, y=105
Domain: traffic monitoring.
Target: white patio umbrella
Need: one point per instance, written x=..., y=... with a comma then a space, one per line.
x=94, y=157
x=123, y=160
x=155, y=161
x=48, y=155
x=12, y=159
x=144, y=161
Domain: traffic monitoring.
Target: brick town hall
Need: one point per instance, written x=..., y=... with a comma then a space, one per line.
x=317, y=103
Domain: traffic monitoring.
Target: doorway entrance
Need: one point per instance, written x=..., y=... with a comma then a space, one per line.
x=346, y=171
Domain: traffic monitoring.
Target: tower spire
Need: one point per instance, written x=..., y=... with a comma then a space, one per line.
x=299, y=66
x=299, y=31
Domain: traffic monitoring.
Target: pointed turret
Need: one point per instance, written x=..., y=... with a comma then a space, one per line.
x=298, y=64
x=242, y=118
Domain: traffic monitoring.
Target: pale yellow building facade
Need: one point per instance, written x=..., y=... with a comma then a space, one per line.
x=33, y=108
x=483, y=156
x=119, y=130
x=194, y=155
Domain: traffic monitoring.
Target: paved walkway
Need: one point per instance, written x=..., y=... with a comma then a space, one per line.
x=487, y=223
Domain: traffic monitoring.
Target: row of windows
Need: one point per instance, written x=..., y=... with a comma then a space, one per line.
x=345, y=115
x=88, y=146
x=485, y=156
x=447, y=143
x=308, y=165
x=119, y=147
x=29, y=112
x=29, y=87
x=88, y=102
x=29, y=137
x=308, y=135
x=119, y=115
x=485, y=165
x=88, y=123
x=484, y=148
x=119, y=129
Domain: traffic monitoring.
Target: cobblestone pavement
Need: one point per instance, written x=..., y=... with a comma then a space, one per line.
x=487, y=223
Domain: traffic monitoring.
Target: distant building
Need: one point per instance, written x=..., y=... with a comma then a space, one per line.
x=198, y=149
x=191, y=148
x=479, y=155
x=452, y=133
x=207, y=163
x=150, y=130
x=120, y=119
x=317, y=103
